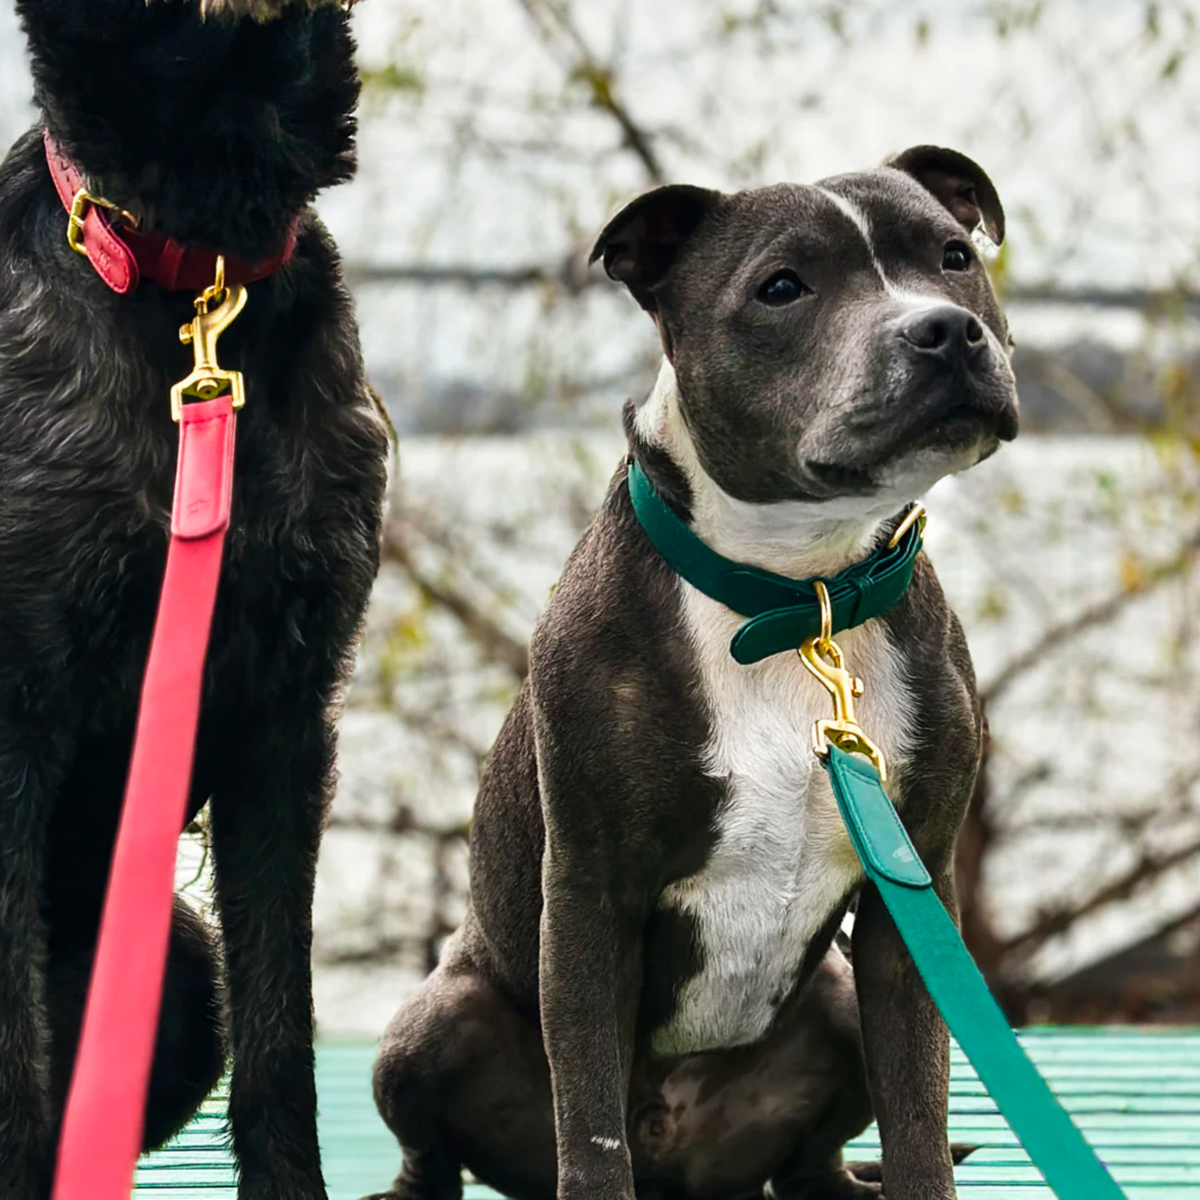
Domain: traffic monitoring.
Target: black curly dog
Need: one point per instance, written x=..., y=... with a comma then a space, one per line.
x=219, y=133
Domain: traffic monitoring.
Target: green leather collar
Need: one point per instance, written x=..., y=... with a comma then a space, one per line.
x=783, y=612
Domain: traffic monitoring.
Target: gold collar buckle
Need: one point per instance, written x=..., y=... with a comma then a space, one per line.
x=78, y=214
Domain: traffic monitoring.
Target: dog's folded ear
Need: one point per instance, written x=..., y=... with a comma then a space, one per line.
x=640, y=244
x=959, y=184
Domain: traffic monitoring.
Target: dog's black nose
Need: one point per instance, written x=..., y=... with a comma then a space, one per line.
x=945, y=331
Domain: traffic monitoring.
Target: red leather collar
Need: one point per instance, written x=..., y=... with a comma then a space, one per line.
x=123, y=259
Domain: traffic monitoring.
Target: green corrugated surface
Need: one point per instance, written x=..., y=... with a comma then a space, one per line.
x=1135, y=1094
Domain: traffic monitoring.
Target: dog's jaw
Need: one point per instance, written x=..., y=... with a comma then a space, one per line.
x=799, y=538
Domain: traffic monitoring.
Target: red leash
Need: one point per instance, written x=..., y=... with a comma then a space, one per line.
x=105, y=1114
x=102, y=1129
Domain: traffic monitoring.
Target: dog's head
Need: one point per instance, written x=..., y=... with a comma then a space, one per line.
x=216, y=131
x=832, y=341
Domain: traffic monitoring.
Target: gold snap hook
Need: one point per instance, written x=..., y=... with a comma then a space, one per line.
x=216, y=309
x=824, y=659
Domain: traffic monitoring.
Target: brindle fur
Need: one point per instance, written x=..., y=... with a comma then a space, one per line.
x=528, y=1055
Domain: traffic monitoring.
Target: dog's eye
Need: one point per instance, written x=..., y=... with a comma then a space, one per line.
x=782, y=288
x=956, y=257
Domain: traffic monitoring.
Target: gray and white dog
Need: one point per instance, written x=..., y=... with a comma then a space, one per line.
x=646, y=995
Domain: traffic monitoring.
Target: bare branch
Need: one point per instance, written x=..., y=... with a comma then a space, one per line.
x=557, y=29
x=1098, y=614
x=1149, y=866
x=454, y=274
x=496, y=645
x=400, y=821
x=1091, y=406
x=568, y=274
x=1144, y=299
x=381, y=949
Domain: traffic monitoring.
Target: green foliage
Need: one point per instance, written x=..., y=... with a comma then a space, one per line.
x=403, y=651
x=1010, y=18
x=394, y=77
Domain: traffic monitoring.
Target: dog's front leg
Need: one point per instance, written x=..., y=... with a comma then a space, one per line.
x=590, y=974
x=589, y=983
x=266, y=823
x=908, y=1053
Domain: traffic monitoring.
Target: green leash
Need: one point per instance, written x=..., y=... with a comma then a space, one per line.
x=1041, y=1124
x=786, y=614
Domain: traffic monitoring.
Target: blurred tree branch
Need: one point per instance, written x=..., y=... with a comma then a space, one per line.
x=1183, y=301
x=1103, y=612
x=558, y=31
x=1150, y=866
x=493, y=641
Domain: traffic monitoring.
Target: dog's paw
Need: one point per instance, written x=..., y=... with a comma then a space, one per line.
x=400, y=1190
x=406, y=1188
x=837, y=1185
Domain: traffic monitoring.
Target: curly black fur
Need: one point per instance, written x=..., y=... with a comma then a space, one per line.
x=222, y=132
x=217, y=132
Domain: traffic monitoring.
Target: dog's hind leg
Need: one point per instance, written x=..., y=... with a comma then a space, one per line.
x=815, y=1170
x=462, y=1079
x=189, y=1051
x=189, y=1055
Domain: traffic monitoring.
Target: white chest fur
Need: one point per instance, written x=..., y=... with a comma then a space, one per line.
x=782, y=860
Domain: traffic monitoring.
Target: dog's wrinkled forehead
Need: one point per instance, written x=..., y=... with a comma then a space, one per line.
x=872, y=227
x=681, y=244
x=750, y=229
x=898, y=219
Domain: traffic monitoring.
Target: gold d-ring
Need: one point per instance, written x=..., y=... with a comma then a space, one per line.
x=78, y=214
x=914, y=514
x=826, y=611
x=215, y=290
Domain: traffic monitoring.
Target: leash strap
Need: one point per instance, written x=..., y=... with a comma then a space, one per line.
x=783, y=612
x=102, y=1128
x=956, y=986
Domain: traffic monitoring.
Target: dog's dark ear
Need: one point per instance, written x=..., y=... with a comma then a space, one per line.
x=640, y=243
x=961, y=185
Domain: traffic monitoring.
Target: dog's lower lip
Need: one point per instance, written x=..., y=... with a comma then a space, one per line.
x=997, y=424
x=953, y=416
x=840, y=476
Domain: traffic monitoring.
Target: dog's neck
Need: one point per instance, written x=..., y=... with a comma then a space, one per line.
x=800, y=539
